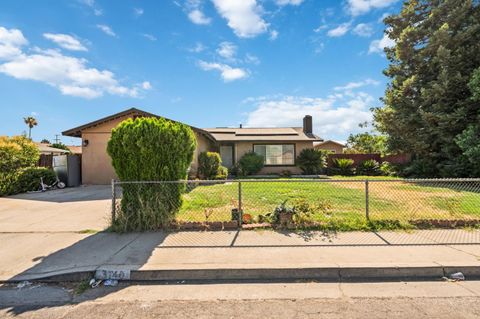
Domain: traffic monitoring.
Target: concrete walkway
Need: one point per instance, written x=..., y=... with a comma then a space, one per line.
x=28, y=256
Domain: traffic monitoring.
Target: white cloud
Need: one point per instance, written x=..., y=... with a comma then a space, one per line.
x=146, y=85
x=358, y=7
x=197, y=17
x=333, y=116
x=149, y=37
x=11, y=42
x=287, y=2
x=199, y=47
x=378, y=46
x=252, y=59
x=383, y=16
x=227, y=72
x=244, y=17
x=65, y=41
x=70, y=75
x=273, y=35
x=138, y=12
x=106, y=29
x=227, y=50
x=363, y=30
x=355, y=85
x=91, y=3
x=339, y=31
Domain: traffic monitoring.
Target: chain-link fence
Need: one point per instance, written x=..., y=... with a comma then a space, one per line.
x=340, y=203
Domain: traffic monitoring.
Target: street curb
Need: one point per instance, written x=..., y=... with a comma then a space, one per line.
x=327, y=274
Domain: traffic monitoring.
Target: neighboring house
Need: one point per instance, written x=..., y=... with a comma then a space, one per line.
x=74, y=149
x=332, y=146
x=46, y=149
x=279, y=146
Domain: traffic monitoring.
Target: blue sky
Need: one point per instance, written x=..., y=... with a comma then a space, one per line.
x=206, y=63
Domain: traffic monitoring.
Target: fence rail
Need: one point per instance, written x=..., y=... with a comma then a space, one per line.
x=343, y=203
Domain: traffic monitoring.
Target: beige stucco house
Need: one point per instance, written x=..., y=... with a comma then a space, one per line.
x=332, y=146
x=278, y=146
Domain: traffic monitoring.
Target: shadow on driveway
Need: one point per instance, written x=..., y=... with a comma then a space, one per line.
x=69, y=194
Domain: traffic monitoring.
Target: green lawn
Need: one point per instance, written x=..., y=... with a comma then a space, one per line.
x=390, y=200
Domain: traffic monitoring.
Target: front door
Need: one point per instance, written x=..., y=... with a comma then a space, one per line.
x=226, y=153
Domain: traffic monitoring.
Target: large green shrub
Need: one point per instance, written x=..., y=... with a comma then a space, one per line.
x=29, y=179
x=17, y=152
x=250, y=163
x=342, y=166
x=312, y=161
x=150, y=149
x=208, y=165
x=25, y=180
x=369, y=167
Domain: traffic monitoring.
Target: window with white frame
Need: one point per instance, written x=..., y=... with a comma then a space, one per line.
x=276, y=154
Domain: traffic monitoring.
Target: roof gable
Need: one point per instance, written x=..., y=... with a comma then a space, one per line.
x=133, y=112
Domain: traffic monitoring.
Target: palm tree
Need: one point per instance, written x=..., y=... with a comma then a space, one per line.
x=31, y=122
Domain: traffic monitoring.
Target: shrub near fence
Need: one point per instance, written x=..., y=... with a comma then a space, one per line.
x=345, y=204
x=358, y=158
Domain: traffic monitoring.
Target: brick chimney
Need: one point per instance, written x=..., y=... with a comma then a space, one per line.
x=307, y=124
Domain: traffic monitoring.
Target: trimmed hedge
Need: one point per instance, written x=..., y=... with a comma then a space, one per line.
x=150, y=149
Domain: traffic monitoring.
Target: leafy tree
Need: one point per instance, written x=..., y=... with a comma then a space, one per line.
x=45, y=141
x=428, y=105
x=312, y=161
x=150, y=149
x=31, y=122
x=367, y=143
x=61, y=146
x=469, y=139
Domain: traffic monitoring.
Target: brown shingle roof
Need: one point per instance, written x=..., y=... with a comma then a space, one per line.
x=77, y=131
x=261, y=134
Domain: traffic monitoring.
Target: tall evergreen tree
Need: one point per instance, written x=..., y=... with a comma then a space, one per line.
x=428, y=105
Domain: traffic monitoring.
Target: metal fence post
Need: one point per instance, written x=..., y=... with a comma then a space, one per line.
x=114, y=200
x=367, y=215
x=240, y=213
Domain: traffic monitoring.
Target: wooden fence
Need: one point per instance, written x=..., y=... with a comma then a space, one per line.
x=45, y=160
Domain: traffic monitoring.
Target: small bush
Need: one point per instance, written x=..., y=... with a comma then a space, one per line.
x=222, y=173
x=389, y=169
x=251, y=163
x=342, y=166
x=423, y=168
x=312, y=161
x=209, y=164
x=369, y=167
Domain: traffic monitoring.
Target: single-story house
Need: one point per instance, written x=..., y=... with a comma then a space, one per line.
x=279, y=146
x=332, y=146
x=46, y=149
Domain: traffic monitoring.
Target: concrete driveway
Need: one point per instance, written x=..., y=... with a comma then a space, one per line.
x=68, y=210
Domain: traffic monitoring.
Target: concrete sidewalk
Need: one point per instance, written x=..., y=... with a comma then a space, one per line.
x=242, y=255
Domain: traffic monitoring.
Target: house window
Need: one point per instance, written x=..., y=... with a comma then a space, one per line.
x=276, y=154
